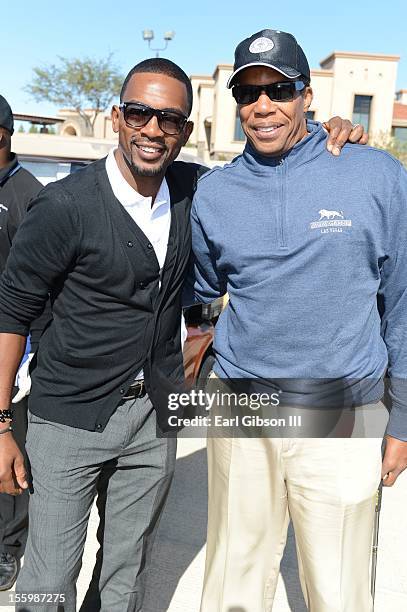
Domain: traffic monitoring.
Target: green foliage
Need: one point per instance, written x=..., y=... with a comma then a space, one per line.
x=21, y=129
x=78, y=83
x=395, y=147
x=399, y=150
x=33, y=129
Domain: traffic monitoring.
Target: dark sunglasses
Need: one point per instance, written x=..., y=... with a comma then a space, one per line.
x=278, y=92
x=136, y=115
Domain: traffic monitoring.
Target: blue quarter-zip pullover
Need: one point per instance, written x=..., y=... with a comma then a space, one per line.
x=304, y=244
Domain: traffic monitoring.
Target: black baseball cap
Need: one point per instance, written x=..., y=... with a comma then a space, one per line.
x=6, y=115
x=274, y=49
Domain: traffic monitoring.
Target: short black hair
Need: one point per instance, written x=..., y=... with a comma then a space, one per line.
x=160, y=65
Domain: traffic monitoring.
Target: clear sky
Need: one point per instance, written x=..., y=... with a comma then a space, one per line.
x=36, y=33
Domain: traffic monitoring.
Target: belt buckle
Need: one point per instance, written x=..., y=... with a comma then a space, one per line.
x=140, y=389
x=135, y=391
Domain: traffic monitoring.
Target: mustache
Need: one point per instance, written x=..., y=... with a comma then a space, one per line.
x=157, y=141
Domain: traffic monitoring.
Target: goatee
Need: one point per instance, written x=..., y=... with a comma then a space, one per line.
x=141, y=170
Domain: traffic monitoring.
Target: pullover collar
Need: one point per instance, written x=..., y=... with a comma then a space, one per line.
x=304, y=151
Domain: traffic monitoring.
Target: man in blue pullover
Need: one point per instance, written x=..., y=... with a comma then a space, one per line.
x=305, y=263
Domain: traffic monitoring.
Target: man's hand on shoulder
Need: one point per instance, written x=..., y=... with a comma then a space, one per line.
x=395, y=460
x=342, y=131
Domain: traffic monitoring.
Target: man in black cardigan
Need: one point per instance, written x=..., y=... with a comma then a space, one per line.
x=111, y=243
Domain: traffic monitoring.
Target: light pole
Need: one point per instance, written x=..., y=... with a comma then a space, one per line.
x=148, y=35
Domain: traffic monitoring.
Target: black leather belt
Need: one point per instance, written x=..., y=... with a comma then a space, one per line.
x=135, y=391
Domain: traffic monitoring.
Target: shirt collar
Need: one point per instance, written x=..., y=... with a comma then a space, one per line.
x=126, y=194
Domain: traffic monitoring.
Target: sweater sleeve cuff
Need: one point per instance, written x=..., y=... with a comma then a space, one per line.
x=12, y=327
x=397, y=425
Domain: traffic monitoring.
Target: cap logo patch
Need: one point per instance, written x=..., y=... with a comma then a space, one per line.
x=260, y=45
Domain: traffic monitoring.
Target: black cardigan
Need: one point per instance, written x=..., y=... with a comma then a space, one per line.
x=109, y=317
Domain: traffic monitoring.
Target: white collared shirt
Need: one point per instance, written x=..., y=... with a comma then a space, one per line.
x=154, y=221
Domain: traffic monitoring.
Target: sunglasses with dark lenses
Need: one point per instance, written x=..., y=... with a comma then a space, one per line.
x=278, y=92
x=137, y=115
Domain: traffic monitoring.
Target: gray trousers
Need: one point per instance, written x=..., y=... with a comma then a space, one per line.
x=130, y=470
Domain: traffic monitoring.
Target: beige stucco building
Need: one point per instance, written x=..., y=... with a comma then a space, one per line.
x=356, y=86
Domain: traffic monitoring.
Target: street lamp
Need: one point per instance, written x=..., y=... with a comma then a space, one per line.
x=148, y=35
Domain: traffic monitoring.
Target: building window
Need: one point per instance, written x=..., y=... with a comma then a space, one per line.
x=69, y=130
x=361, y=111
x=239, y=134
x=310, y=115
x=400, y=134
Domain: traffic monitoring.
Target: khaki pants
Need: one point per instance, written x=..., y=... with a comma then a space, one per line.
x=328, y=489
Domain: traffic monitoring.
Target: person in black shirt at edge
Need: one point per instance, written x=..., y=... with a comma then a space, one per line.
x=111, y=243
x=17, y=188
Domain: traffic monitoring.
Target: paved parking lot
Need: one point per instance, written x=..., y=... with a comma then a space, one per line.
x=179, y=554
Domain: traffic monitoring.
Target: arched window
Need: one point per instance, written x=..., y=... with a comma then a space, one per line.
x=69, y=130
